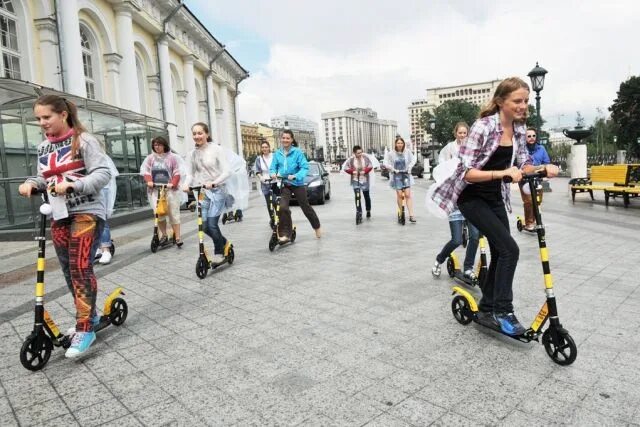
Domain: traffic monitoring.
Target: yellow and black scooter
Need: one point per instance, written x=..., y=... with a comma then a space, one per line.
x=204, y=264
x=37, y=347
x=155, y=240
x=557, y=342
x=454, y=267
x=358, y=195
x=405, y=182
x=520, y=223
x=275, y=188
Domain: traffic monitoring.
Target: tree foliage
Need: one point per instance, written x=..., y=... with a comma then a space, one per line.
x=446, y=116
x=532, y=117
x=625, y=112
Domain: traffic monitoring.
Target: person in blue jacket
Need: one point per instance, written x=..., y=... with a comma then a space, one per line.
x=291, y=165
x=538, y=156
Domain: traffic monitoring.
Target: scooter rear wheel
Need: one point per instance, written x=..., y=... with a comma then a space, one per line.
x=224, y=218
x=450, y=267
x=293, y=235
x=35, y=351
x=112, y=249
x=461, y=310
x=519, y=225
x=231, y=256
x=119, y=311
x=202, y=268
x=560, y=347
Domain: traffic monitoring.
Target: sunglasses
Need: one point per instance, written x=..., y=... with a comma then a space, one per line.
x=531, y=136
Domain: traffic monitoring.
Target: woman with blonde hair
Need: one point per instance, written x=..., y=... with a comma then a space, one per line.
x=399, y=161
x=495, y=149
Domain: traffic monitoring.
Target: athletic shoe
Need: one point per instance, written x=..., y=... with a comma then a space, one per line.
x=95, y=321
x=436, y=270
x=469, y=274
x=318, y=233
x=80, y=343
x=509, y=324
x=217, y=259
x=412, y=220
x=105, y=258
x=368, y=214
x=164, y=240
x=179, y=243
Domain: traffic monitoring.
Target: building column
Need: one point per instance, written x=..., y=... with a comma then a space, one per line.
x=113, y=61
x=73, y=71
x=183, y=127
x=167, y=90
x=226, y=117
x=129, y=91
x=49, y=49
x=211, y=114
x=237, y=124
x=190, y=87
x=155, y=89
x=203, y=113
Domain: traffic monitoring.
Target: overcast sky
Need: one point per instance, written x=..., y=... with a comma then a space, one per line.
x=309, y=57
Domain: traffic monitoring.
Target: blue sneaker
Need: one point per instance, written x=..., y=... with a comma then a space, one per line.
x=80, y=343
x=509, y=324
x=95, y=321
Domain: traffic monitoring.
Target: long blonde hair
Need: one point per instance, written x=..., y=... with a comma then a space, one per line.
x=502, y=91
x=59, y=104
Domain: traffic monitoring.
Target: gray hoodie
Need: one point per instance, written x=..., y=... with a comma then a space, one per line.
x=89, y=173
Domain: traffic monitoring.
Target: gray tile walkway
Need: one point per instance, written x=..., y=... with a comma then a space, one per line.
x=350, y=329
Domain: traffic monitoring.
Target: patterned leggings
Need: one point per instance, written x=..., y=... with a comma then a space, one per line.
x=73, y=240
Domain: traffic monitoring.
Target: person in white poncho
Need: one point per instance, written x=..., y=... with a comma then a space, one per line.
x=359, y=168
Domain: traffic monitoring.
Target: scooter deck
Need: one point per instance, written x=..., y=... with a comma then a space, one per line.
x=459, y=276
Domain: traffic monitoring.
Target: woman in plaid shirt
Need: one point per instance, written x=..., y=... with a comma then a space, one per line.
x=495, y=148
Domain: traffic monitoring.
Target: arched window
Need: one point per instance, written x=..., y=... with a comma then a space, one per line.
x=87, y=63
x=9, y=40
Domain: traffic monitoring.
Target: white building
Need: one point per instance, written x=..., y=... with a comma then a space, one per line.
x=295, y=123
x=557, y=138
x=416, y=108
x=475, y=93
x=152, y=57
x=357, y=126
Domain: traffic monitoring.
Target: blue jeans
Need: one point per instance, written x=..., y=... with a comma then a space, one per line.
x=456, y=240
x=105, y=237
x=212, y=230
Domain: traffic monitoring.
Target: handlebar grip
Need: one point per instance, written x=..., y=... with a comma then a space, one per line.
x=507, y=179
x=35, y=190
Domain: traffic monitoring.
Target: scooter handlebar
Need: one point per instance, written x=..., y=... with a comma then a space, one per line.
x=540, y=173
x=200, y=187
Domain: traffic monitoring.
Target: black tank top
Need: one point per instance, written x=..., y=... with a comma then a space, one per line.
x=490, y=190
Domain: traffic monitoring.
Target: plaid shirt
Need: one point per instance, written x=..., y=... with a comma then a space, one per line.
x=483, y=141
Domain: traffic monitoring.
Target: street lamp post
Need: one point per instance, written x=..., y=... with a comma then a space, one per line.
x=432, y=126
x=537, y=83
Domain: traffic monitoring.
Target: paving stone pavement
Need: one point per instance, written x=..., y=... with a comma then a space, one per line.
x=350, y=329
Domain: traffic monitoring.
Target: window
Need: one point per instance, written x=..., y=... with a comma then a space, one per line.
x=9, y=41
x=87, y=63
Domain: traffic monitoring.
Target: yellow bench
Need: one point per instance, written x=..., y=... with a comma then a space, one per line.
x=630, y=189
x=602, y=178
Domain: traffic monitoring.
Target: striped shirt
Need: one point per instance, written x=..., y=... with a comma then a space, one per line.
x=475, y=151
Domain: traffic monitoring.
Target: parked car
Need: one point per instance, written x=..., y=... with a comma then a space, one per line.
x=318, y=184
x=417, y=170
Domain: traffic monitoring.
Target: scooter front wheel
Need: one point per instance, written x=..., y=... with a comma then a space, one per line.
x=273, y=242
x=202, y=268
x=224, y=218
x=119, y=311
x=155, y=242
x=560, y=346
x=519, y=225
x=231, y=256
x=461, y=310
x=35, y=351
x=293, y=235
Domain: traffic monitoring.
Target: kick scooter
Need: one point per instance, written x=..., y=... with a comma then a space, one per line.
x=155, y=240
x=275, y=186
x=520, y=222
x=204, y=264
x=557, y=342
x=455, y=269
x=36, y=349
x=405, y=184
x=232, y=216
x=358, y=194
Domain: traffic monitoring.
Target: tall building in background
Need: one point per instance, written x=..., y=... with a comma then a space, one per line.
x=416, y=108
x=295, y=123
x=476, y=93
x=250, y=139
x=356, y=126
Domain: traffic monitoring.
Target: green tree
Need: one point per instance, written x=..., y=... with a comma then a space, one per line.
x=600, y=142
x=446, y=116
x=625, y=112
x=532, y=118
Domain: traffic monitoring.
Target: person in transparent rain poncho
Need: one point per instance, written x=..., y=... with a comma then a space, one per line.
x=359, y=167
x=238, y=182
x=399, y=161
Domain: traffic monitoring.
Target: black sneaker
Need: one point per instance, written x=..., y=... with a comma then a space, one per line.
x=164, y=240
x=368, y=214
x=509, y=323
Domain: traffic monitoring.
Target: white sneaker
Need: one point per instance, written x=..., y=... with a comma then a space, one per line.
x=217, y=259
x=436, y=270
x=105, y=258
